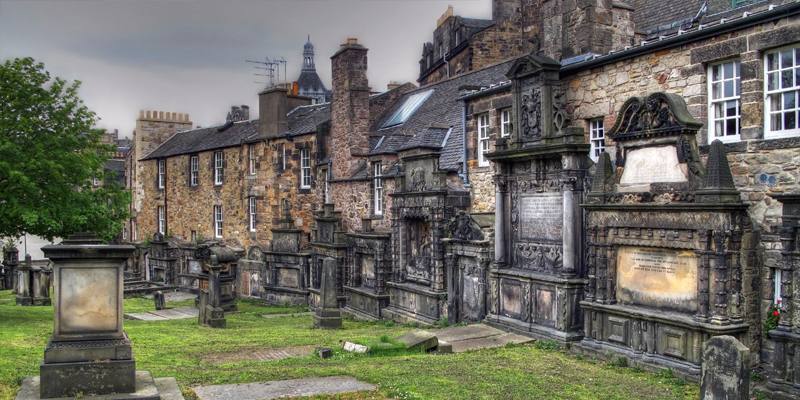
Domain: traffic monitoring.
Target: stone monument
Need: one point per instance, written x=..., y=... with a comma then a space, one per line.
x=537, y=277
x=10, y=262
x=726, y=372
x=211, y=312
x=159, y=300
x=41, y=285
x=670, y=244
x=89, y=353
x=286, y=266
x=327, y=314
x=370, y=267
x=25, y=282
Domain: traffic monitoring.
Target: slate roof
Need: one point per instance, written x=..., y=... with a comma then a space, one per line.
x=309, y=80
x=304, y=119
x=204, y=139
x=441, y=111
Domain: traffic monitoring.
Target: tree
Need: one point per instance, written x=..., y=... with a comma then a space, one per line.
x=49, y=155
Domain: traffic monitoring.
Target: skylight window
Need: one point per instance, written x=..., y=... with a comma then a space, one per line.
x=408, y=108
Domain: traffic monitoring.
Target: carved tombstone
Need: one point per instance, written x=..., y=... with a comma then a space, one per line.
x=536, y=280
x=468, y=254
x=25, y=282
x=668, y=242
x=327, y=315
x=726, y=372
x=158, y=299
x=211, y=312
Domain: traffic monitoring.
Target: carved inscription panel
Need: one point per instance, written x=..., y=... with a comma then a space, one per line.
x=652, y=164
x=541, y=216
x=656, y=277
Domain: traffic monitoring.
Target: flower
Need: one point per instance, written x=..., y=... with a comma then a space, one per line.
x=776, y=313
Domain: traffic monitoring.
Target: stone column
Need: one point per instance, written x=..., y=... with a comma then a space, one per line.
x=501, y=186
x=702, y=277
x=214, y=314
x=570, y=237
x=719, y=269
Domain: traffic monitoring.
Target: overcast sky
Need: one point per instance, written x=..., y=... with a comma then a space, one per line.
x=188, y=56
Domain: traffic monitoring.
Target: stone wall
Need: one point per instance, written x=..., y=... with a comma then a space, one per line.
x=350, y=116
x=481, y=178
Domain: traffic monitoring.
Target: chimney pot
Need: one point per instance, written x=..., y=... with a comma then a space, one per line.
x=352, y=41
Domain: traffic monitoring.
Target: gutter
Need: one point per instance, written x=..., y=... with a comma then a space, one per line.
x=774, y=14
x=465, y=172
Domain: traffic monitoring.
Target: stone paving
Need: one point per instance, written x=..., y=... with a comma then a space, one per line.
x=163, y=315
x=265, y=354
x=478, y=336
x=278, y=389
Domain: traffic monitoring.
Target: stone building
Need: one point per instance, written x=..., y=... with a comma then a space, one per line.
x=536, y=188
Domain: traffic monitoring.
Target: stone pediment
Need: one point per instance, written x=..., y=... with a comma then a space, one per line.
x=660, y=114
x=531, y=64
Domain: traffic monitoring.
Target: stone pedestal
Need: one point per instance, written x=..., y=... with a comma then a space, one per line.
x=89, y=352
x=327, y=315
x=25, y=283
x=41, y=285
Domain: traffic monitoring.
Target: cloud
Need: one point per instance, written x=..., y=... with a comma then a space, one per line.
x=188, y=56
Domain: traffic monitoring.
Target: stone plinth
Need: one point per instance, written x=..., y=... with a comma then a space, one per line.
x=89, y=352
x=211, y=312
x=327, y=315
x=25, y=283
x=41, y=285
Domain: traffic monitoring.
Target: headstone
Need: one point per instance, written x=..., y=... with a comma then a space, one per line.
x=726, y=372
x=25, y=283
x=41, y=285
x=158, y=299
x=10, y=262
x=327, y=314
x=211, y=312
x=422, y=340
x=89, y=352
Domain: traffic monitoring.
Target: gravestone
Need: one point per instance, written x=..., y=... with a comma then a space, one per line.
x=25, y=282
x=327, y=315
x=211, y=312
x=726, y=375
x=10, y=262
x=88, y=352
x=41, y=285
x=158, y=299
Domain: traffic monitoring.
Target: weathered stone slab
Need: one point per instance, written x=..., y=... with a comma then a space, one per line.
x=423, y=340
x=541, y=216
x=657, y=277
x=164, y=315
x=725, y=375
x=652, y=164
x=458, y=333
x=355, y=347
x=299, y=314
x=277, y=389
x=489, y=342
x=264, y=354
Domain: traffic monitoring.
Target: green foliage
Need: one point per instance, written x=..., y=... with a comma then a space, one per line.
x=547, y=344
x=49, y=154
x=773, y=317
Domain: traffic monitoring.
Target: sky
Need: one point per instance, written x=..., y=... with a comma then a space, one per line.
x=189, y=56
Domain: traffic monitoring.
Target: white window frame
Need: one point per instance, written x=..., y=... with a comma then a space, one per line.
x=251, y=212
x=769, y=133
x=162, y=220
x=597, y=138
x=251, y=158
x=377, y=188
x=484, y=133
x=218, y=219
x=283, y=157
x=505, y=123
x=736, y=79
x=162, y=172
x=327, y=185
x=194, y=170
x=219, y=166
x=305, y=168
x=777, y=295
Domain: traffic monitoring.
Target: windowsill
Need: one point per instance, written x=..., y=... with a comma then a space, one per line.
x=782, y=134
x=726, y=139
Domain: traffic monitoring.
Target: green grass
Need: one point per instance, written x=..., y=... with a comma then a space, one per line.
x=177, y=348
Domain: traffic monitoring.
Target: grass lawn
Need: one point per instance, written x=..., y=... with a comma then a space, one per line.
x=178, y=348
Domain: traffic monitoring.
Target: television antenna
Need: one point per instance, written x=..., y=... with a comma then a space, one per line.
x=271, y=69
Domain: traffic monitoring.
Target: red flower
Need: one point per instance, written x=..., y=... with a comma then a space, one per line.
x=776, y=313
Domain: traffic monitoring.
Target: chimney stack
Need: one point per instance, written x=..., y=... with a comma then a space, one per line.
x=349, y=108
